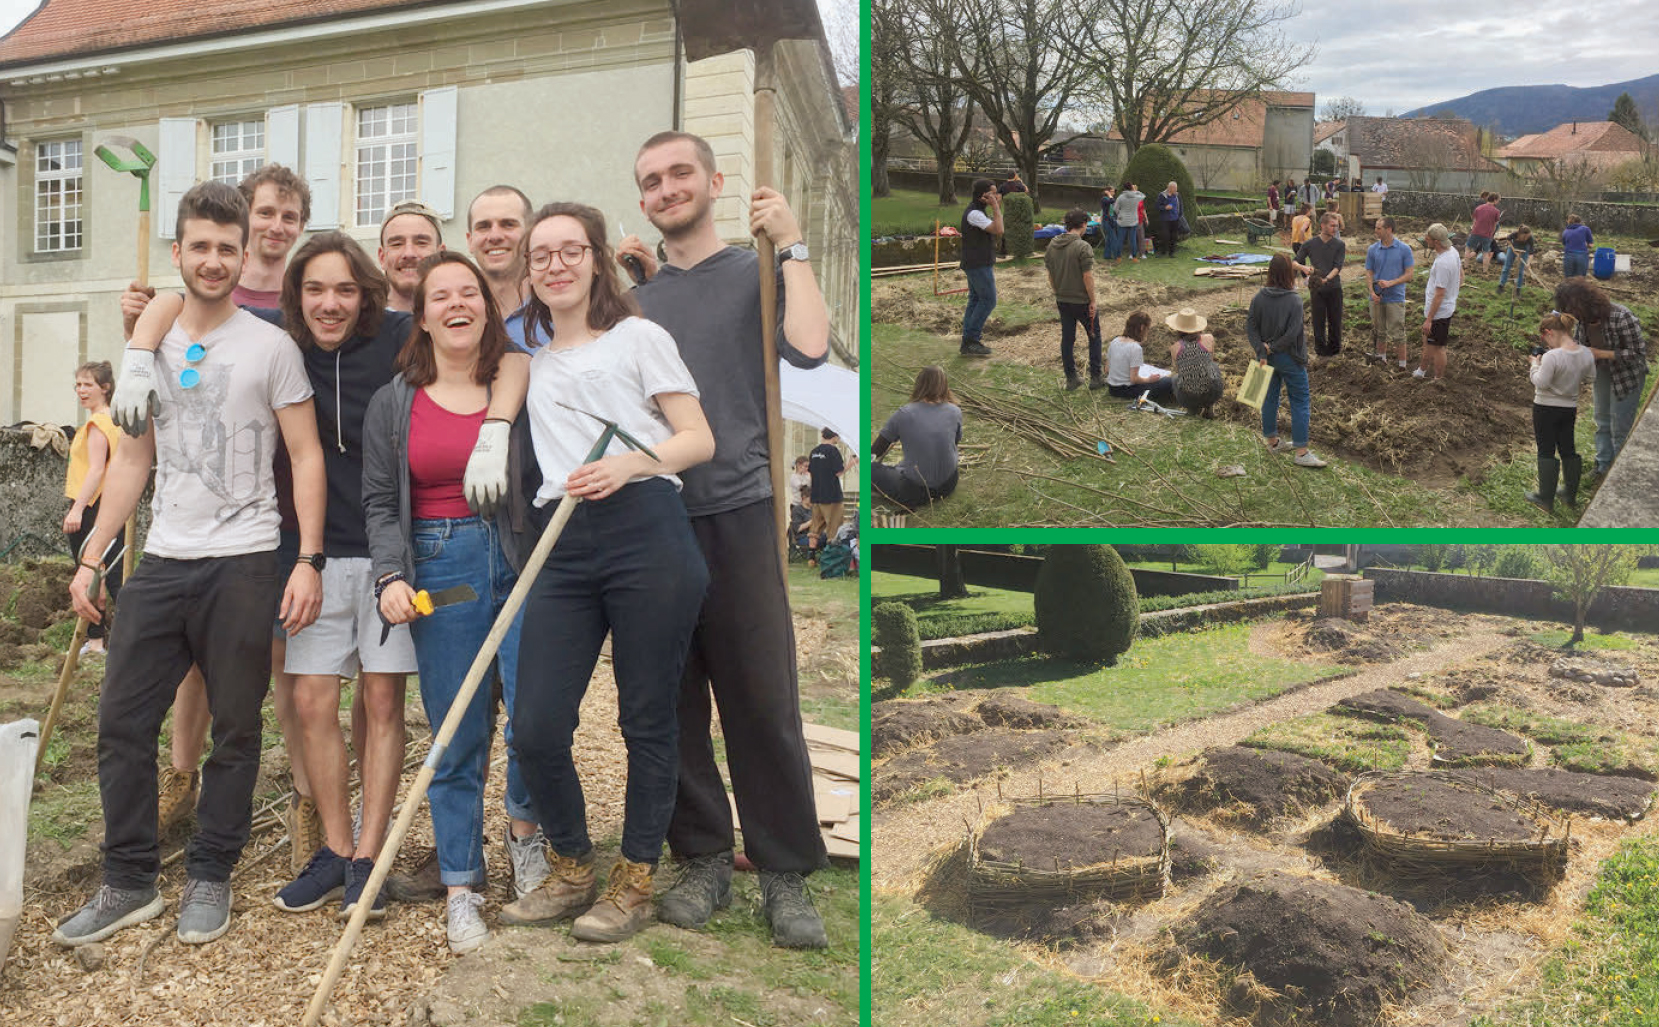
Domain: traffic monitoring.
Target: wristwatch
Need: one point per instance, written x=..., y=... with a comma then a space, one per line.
x=796, y=251
x=316, y=560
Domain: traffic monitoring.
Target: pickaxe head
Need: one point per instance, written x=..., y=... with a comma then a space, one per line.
x=612, y=430
x=140, y=164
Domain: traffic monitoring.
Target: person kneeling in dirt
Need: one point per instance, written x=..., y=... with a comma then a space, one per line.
x=1274, y=325
x=1558, y=375
x=1126, y=377
x=1069, y=261
x=1198, y=382
x=929, y=427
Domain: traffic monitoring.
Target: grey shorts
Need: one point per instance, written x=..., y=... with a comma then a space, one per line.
x=1479, y=244
x=345, y=637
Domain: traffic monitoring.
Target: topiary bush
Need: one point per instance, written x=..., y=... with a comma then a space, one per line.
x=1018, y=222
x=1153, y=167
x=893, y=628
x=1086, y=604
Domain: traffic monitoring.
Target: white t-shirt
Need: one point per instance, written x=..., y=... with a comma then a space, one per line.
x=1380, y=187
x=1447, y=272
x=215, y=491
x=980, y=219
x=615, y=377
x=1123, y=355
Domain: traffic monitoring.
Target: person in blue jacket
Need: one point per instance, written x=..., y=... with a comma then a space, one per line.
x=1167, y=215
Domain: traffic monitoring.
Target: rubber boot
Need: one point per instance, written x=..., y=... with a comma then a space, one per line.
x=1549, y=469
x=1572, y=469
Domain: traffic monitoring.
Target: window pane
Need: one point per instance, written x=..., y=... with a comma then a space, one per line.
x=387, y=159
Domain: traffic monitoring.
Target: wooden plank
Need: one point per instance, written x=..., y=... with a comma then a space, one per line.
x=843, y=765
x=840, y=848
x=849, y=830
x=834, y=805
x=833, y=737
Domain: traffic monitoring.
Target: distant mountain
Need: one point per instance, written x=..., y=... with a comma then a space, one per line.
x=1518, y=110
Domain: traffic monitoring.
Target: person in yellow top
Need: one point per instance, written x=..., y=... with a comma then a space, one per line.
x=1301, y=226
x=89, y=456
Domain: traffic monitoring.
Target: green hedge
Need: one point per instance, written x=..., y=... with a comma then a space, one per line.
x=1153, y=604
x=1018, y=217
x=936, y=626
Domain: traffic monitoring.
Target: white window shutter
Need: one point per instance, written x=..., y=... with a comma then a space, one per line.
x=282, y=136
x=438, y=118
x=177, y=171
x=324, y=137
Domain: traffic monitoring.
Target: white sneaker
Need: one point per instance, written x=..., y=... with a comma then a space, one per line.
x=1418, y=373
x=1402, y=364
x=1308, y=460
x=529, y=859
x=466, y=929
x=1279, y=445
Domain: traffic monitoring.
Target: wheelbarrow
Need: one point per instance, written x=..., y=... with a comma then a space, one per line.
x=1258, y=230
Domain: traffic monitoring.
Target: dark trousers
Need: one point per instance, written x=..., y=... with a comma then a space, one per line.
x=1165, y=241
x=112, y=576
x=896, y=486
x=1072, y=315
x=744, y=651
x=1160, y=391
x=215, y=613
x=1327, y=321
x=628, y=565
x=1552, y=429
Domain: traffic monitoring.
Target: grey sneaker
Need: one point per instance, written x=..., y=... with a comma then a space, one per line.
x=1308, y=460
x=107, y=912
x=704, y=885
x=529, y=859
x=204, y=911
x=788, y=908
x=466, y=928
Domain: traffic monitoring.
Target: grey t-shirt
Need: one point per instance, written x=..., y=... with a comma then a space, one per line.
x=929, y=433
x=713, y=312
x=1560, y=375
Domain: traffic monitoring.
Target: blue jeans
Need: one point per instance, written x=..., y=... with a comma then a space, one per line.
x=1295, y=379
x=1510, y=260
x=1614, y=417
x=1575, y=264
x=982, y=299
x=1111, y=238
x=627, y=564
x=464, y=551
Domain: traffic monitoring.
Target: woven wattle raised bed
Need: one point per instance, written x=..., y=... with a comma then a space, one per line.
x=1000, y=885
x=1422, y=854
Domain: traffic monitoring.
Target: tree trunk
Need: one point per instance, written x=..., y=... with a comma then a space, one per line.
x=947, y=181
x=879, y=186
x=951, y=585
x=1580, y=615
x=1028, y=170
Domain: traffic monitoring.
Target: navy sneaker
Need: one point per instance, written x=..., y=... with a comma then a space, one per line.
x=357, y=875
x=322, y=879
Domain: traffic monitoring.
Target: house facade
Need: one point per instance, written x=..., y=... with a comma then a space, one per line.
x=374, y=102
x=1425, y=154
x=1598, y=145
x=1258, y=140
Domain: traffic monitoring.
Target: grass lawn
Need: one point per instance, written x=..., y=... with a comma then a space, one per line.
x=1273, y=573
x=1604, y=974
x=925, y=971
x=985, y=609
x=1160, y=681
x=913, y=211
x=1589, y=748
x=1351, y=744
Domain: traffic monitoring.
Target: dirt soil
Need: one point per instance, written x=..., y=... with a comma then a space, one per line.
x=901, y=723
x=1455, y=742
x=1340, y=953
x=963, y=758
x=1599, y=795
x=1013, y=712
x=1269, y=784
x=1066, y=835
x=1391, y=631
x=1437, y=806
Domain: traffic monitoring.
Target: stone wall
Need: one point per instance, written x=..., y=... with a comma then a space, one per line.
x=1019, y=573
x=1544, y=215
x=32, y=503
x=1628, y=609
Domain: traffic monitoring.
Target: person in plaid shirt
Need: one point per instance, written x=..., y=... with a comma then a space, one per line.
x=1614, y=335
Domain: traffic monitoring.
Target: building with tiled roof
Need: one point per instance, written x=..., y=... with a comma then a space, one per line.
x=1259, y=139
x=374, y=102
x=1598, y=144
x=1421, y=153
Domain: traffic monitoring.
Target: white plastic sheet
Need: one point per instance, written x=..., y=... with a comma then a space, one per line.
x=18, y=742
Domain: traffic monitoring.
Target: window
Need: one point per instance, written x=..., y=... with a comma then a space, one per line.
x=386, y=159
x=238, y=150
x=58, y=196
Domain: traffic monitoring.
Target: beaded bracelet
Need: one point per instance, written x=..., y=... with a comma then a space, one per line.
x=385, y=581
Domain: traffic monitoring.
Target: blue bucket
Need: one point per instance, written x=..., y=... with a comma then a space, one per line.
x=1603, y=265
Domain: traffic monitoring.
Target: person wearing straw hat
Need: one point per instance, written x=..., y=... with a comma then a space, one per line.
x=1274, y=327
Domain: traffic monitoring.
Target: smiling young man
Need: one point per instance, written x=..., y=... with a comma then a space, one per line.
x=279, y=208
x=205, y=591
x=495, y=237
x=708, y=297
x=408, y=235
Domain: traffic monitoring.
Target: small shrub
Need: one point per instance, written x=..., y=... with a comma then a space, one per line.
x=1152, y=168
x=893, y=628
x=1516, y=562
x=1086, y=604
x=1018, y=222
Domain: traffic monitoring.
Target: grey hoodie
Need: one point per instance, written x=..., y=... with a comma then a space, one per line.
x=1274, y=324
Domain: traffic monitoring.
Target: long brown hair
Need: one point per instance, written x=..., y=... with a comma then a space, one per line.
x=371, y=285
x=1135, y=328
x=608, y=302
x=1280, y=275
x=416, y=359
x=931, y=386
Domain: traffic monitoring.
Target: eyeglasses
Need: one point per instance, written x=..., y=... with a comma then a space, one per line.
x=570, y=255
x=189, y=378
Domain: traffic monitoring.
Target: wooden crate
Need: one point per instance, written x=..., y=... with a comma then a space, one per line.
x=1359, y=209
x=1347, y=598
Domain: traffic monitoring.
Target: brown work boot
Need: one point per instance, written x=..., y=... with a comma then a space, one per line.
x=305, y=831
x=176, y=795
x=424, y=885
x=625, y=908
x=566, y=892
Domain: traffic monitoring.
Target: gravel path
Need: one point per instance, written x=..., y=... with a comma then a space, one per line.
x=904, y=841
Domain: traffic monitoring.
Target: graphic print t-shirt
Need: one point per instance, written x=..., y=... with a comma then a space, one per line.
x=215, y=490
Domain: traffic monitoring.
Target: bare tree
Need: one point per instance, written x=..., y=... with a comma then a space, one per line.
x=1341, y=109
x=929, y=101
x=886, y=74
x=1563, y=181
x=1580, y=572
x=1019, y=63
x=1165, y=66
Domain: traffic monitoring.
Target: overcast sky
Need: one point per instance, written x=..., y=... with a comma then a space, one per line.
x=1404, y=54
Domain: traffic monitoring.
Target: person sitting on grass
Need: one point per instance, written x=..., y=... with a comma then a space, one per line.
x=1558, y=375
x=929, y=427
x=1198, y=382
x=1274, y=326
x=1515, y=258
x=1126, y=376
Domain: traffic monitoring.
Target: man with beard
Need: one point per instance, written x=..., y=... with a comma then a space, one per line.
x=408, y=235
x=708, y=297
x=204, y=593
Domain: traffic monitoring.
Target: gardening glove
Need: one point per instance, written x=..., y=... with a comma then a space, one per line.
x=135, y=400
x=486, y=477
